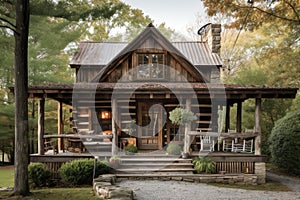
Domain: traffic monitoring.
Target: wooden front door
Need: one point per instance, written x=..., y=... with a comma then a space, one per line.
x=150, y=125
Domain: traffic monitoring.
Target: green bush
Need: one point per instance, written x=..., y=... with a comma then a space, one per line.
x=80, y=172
x=173, y=149
x=285, y=143
x=180, y=116
x=131, y=149
x=204, y=165
x=39, y=174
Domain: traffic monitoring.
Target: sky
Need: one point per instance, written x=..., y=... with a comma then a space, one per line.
x=177, y=14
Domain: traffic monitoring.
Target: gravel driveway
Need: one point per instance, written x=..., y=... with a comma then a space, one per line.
x=169, y=190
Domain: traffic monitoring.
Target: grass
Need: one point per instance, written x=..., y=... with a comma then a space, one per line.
x=7, y=180
x=54, y=193
x=269, y=186
x=6, y=176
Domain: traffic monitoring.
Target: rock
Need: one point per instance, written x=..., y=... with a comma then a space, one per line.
x=121, y=193
x=111, y=178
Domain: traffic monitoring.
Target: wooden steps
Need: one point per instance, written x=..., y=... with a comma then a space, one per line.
x=154, y=164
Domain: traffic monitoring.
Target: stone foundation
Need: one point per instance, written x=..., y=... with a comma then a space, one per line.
x=260, y=172
x=240, y=179
x=104, y=187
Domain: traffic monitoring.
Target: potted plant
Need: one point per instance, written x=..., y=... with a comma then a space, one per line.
x=180, y=116
x=131, y=128
x=131, y=149
x=114, y=161
x=185, y=154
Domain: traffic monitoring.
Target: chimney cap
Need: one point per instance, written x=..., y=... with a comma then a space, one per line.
x=203, y=28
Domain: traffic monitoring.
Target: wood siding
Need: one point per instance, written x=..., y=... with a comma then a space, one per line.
x=176, y=72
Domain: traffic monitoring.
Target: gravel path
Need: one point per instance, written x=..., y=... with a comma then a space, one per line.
x=169, y=190
x=292, y=183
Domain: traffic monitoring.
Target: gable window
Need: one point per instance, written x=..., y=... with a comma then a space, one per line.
x=150, y=66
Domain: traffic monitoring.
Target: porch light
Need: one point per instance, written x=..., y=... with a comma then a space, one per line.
x=105, y=115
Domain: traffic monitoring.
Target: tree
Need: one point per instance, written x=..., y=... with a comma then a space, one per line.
x=21, y=186
x=258, y=13
x=285, y=143
x=21, y=31
x=66, y=15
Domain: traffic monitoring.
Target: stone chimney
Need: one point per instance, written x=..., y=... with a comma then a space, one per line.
x=211, y=33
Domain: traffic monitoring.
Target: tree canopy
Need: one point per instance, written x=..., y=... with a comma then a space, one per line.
x=260, y=12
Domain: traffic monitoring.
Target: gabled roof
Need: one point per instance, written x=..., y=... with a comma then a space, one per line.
x=149, y=38
x=97, y=53
x=198, y=53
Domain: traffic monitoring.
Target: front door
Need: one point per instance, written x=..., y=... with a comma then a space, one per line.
x=150, y=125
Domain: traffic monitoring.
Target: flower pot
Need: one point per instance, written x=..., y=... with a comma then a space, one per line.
x=185, y=155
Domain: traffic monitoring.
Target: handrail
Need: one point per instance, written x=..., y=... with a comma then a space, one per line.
x=226, y=135
x=78, y=136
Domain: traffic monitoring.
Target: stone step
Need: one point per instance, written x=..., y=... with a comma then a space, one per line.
x=159, y=170
x=161, y=159
x=157, y=165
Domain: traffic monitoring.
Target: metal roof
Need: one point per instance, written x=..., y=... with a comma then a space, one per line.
x=96, y=53
x=198, y=53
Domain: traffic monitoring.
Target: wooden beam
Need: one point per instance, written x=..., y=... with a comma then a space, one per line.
x=60, y=126
x=258, y=126
x=41, y=125
x=214, y=117
x=227, y=118
x=239, y=117
x=114, y=127
x=187, y=139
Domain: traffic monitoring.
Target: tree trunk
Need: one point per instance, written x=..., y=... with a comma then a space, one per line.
x=21, y=186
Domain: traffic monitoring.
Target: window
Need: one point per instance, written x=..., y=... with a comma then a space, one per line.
x=105, y=115
x=150, y=66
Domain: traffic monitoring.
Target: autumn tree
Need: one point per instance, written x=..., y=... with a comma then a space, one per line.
x=258, y=12
x=266, y=52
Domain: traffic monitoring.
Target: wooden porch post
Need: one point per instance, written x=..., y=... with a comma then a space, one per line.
x=257, y=126
x=214, y=117
x=60, y=126
x=239, y=117
x=227, y=120
x=41, y=124
x=187, y=141
x=114, y=148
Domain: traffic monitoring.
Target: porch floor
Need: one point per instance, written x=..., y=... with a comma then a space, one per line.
x=145, y=153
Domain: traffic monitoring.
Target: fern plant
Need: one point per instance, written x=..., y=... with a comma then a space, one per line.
x=204, y=165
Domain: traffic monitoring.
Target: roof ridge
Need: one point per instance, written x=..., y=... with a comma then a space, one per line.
x=108, y=42
x=188, y=42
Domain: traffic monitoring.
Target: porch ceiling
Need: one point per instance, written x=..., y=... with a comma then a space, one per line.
x=234, y=93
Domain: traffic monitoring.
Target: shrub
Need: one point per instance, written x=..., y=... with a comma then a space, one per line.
x=204, y=165
x=285, y=143
x=173, y=149
x=80, y=172
x=180, y=116
x=39, y=174
x=131, y=149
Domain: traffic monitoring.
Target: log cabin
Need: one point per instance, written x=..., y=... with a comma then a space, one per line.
x=124, y=93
